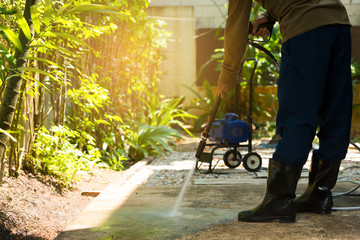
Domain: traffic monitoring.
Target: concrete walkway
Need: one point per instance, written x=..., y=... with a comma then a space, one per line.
x=126, y=209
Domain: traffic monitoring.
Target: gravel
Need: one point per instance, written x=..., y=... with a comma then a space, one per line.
x=173, y=168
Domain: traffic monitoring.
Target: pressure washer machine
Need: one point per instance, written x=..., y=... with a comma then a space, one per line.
x=230, y=133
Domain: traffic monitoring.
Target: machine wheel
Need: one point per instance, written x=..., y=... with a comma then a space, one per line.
x=252, y=162
x=230, y=160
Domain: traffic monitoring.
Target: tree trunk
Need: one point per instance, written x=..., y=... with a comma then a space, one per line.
x=13, y=85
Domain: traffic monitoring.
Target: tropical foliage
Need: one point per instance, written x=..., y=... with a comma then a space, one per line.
x=82, y=77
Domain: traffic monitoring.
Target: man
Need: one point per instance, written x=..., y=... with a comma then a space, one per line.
x=314, y=90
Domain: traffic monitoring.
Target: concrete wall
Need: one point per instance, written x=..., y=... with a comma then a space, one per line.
x=207, y=13
x=185, y=20
x=179, y=65
x=353, y=9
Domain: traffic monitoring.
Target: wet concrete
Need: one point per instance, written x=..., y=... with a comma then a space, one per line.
x=209, y=212
x=153, y=223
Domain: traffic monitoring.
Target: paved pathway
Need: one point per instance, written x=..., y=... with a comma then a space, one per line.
x=138, y=205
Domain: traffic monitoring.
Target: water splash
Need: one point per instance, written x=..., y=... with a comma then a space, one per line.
x=175, y=211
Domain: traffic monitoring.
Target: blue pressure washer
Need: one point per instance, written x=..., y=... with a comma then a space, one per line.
x=230, y=133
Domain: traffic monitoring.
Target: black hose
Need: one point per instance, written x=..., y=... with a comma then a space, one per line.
x=267, y=52
x=350, y=192
x=356, y=146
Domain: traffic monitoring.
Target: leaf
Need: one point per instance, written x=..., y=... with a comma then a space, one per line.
x=93, y=8
x=24, y=76
x=61, y=49
x=47, y=12
x=46, y=61
x=12, y=37
x=35, y=19
x=24, y=26
x=199, y=122
x=193, y=91
x=4, y=35
x=87, y=8
x=8, y=134
x=69, y=36
x=208, y=90
x=35, y=70
x=8, y=56
x=7, y=12
x=63, y=8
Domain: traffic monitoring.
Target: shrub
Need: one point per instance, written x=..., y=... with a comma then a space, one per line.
x=57, y=155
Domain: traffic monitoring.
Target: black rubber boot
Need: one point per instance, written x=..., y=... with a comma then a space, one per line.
x=280, y=191
x=317, y=197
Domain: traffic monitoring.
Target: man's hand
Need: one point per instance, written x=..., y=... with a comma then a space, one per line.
x=223, y=89
x=261, y=32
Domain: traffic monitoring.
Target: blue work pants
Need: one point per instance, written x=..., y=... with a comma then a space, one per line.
x=315, y=93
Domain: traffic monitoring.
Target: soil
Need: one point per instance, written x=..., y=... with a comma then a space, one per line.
x=31, y=208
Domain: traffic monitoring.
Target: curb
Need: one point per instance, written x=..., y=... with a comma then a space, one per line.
x=111, y=198
x=127, y=174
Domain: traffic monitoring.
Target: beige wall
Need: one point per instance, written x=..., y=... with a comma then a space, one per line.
x=179, y=65
x=353, y=9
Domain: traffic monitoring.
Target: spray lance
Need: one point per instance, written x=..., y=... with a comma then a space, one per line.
x=206, y=134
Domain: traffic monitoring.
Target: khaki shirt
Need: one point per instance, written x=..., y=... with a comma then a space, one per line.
x=294, y=16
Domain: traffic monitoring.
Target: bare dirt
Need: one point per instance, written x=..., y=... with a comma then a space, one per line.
x=35, y=209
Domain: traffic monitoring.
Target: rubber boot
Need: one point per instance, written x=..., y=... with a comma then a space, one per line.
x=317, y=197
x=277, y=204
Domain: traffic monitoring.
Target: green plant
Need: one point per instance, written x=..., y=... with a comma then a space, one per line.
x=46, y=46
x=88, y=116
x=148, y=140
x=266, y=130
x=161, y=111
x=206, y=105
x=87, y=105
x=91, y=67
x=355, y=70
x=355, y=74
x=57, y=155
x=113, y=159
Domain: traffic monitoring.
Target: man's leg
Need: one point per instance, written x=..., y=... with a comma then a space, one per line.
x=303, y=92
x=336, y=110
x=334, y=134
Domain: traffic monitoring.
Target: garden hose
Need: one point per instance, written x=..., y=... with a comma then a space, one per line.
x=350, y=192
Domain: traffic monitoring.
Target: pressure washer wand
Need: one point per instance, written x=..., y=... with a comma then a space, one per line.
x=206, y=134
